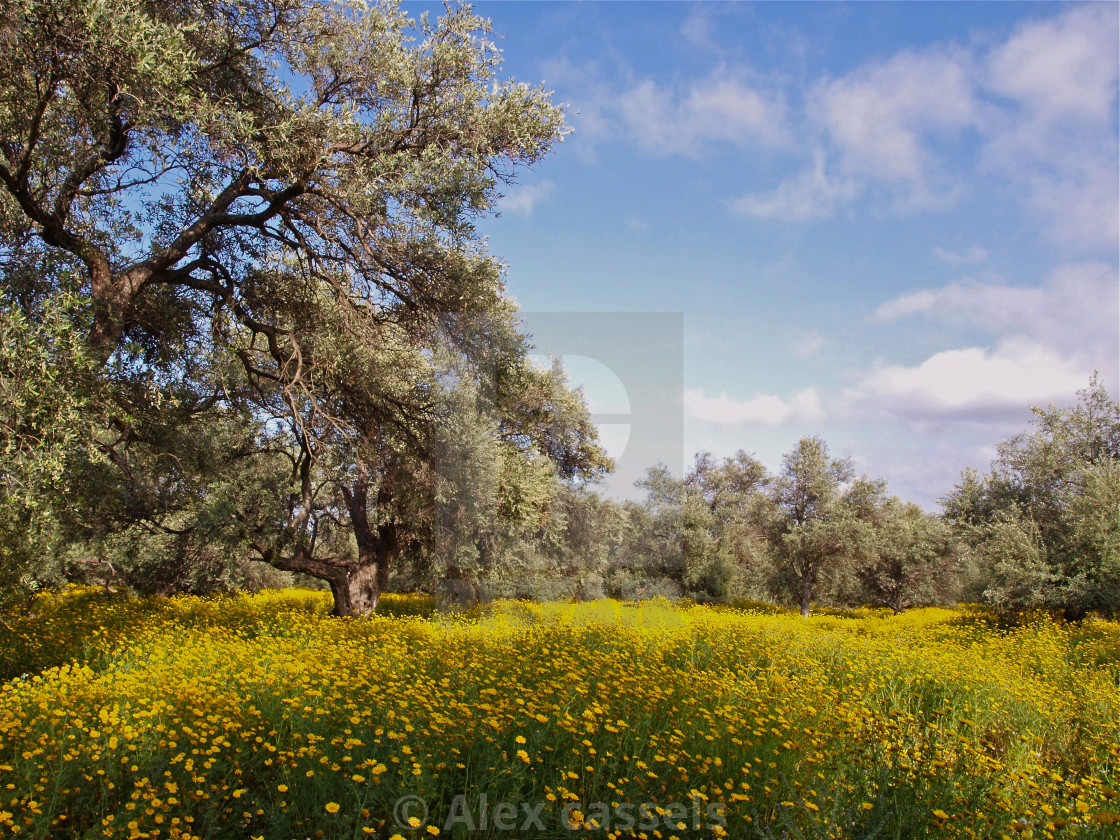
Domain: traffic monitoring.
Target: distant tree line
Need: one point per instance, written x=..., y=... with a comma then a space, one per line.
x=1039, y=530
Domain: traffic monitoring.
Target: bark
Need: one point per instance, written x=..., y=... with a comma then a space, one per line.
x=356, y=587
x=357, y=592
x=359, y=589
x=806, y=590
x=897, y=602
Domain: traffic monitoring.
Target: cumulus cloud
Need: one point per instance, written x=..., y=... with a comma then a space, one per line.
x=969, y=384
x=1047, y=341
x=761, y=410
x=1074, y=311
x=973, y=382
x=524, y=200
x=915, y=132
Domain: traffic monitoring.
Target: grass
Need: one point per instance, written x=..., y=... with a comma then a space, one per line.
x=258, y=716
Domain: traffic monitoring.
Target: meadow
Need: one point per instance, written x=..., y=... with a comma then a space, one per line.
x=258, y=716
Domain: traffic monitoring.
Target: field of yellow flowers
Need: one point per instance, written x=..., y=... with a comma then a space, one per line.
x=258, y=716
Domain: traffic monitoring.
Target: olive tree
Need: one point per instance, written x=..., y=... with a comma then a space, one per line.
x=817, y=505
x=1045, y=518
x=268, y=206
x=906, y=557
x=45, y=403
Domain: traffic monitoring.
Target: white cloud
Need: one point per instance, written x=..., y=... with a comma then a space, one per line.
x=722, y=108
x=1036, y=112
x=1061, y=68
x=697, y=28
x=1074, y=311
x=665, y=119
x=880, y=116
x=972, y=383
x=762, y=410
x=524, y=200
x=973, y=256
x=810, y=195
x=880, y=122
x=1056, y=136
x=1081, y=201
x=1048, y=340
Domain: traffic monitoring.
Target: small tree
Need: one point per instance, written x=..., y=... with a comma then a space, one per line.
x=726, y=497
x=653, y=542
x=906, y=558
x=817, y=505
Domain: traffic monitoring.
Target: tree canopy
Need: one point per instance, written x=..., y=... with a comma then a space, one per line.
x=1045, y=519
x=264, y=212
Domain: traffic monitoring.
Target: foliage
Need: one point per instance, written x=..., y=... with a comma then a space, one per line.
x=906, y=558
x=268, y=209
x=69, y=513
x=44, y=408
x=699, y=533
x=1046, y=518
x=250, y=716
x=818, y=507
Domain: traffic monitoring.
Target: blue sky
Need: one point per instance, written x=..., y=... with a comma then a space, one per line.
x=891, y=224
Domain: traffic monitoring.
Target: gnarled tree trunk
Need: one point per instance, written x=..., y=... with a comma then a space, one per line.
x=358, y=590
x=355, y=584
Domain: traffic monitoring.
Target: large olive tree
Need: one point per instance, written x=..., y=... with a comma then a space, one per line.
x=267, y=208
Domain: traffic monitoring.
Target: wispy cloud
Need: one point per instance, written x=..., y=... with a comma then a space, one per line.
x=810, y=195
x=1057, y=134
x=880, y=117
x=879, y=123
x=915, y=132
x=524, y=199
x=697, y=27
x=973, y=256
x=805, y=343
x=666, y=120
x=728, y=106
